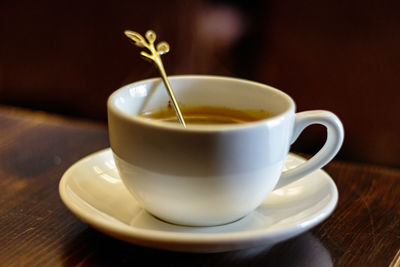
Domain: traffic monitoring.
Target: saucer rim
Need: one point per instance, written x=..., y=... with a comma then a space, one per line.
x=192, y=242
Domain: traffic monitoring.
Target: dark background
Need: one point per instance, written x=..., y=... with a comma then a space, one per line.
x=68, y=56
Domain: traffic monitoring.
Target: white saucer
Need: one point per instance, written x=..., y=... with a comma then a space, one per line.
x=93, y=191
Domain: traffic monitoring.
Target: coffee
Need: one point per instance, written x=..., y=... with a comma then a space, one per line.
x=208, y=115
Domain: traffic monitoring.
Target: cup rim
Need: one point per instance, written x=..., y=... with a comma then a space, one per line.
x=111, y=107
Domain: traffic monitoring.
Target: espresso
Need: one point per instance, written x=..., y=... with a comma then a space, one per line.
x=208, y=115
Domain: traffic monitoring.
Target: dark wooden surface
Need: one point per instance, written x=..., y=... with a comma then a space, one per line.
x=36, y=229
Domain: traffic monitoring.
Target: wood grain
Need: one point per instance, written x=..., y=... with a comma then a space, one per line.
x=36, y=229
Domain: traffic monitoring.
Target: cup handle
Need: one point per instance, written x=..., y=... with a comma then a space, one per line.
x=334, y=140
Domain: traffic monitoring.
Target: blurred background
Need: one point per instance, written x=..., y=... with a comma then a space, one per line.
x=67, y=56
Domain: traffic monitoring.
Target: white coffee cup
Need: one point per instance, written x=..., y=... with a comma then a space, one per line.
x=209, y=174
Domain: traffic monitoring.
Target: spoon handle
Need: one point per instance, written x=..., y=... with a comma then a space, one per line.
x=171, y=93
x=155, y=57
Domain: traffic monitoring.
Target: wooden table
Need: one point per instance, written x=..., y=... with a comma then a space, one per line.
x=36, y=229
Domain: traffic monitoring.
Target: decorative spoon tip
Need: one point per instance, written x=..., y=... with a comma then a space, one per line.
x=154, y=56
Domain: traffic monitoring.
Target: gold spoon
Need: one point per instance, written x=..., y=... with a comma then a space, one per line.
x=155, y=57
